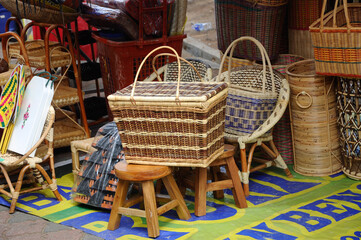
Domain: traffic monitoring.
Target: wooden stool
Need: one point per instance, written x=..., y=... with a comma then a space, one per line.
x=145, y=175
x=219, y=181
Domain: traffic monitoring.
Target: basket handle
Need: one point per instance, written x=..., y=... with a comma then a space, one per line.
x=143, y=62
x=308, y=95
x=334, y=15
x=264, y=55
x=172, y=55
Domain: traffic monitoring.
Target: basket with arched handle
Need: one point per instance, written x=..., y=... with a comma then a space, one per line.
x=170, y=123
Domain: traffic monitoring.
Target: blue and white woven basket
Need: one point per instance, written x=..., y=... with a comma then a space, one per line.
x=253, y=92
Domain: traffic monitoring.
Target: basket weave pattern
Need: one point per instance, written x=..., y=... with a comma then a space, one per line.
x=242, y=18
x=336, y=41
x=303, y=13
x=314, y=121
x=169, y=133
x=37, y=13
x=348, y=97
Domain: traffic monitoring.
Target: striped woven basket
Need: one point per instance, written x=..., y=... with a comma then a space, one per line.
x=303, y=13
x=170, y=123
x=336, y=41
x=245, y=18
x=252, y=92
x=282, y=134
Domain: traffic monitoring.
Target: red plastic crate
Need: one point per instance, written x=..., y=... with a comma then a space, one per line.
x=119, y=61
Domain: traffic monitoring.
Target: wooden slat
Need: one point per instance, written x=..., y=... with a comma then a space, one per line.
x=131, y=212
x=224, y=184
x=166, y=207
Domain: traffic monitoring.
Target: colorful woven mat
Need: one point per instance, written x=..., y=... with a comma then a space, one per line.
x=278, y=208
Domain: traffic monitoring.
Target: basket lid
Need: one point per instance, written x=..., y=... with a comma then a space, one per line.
x=166, y=91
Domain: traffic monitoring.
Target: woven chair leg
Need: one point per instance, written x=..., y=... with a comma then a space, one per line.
x=280, y=160
x=17, y=188
x=244, y=173
x=50, y=182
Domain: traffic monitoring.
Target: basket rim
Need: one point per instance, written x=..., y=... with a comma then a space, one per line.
x=301, y=63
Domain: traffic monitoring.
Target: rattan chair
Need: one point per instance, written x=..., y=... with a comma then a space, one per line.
x=260, y=132
x=262, y=137
x=22, y=166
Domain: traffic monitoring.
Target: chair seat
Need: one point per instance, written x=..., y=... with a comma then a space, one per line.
x=31, y=46
x=65, y=96
x=139, y=173
x=9, y=158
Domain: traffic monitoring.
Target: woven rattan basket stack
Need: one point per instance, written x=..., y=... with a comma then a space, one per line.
x=170, y=123
x=301, y=14
x=336, y=40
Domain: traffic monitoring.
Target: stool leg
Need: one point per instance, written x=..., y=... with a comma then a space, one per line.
x=200, y=201
x=150, y=209
x=175, y=194
x=238, y=194
x=119, y=198
x=218, y=194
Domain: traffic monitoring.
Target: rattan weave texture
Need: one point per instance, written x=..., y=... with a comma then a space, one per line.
x=243, y=18
x=336, y=39
x=348, y=98
x=171, y=123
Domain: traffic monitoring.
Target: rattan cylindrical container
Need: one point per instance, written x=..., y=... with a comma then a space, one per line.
x=349, y=119
x=314, y=126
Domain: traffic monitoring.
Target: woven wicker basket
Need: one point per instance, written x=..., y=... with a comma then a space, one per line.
x=303, y=13
x=236, y=62
x=243, y=18
x=31, y=47
x=38, y=14
x=336, y=41
x=284, y=60
x=170, y=123
x=314, y=121
x=348, y=98
x=252, y=91
x=282, y=134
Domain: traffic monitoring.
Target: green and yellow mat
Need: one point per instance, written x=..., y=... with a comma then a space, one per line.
x=278, y=208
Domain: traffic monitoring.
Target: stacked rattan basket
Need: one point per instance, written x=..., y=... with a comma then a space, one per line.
x=171, y=123
x=336, y=39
